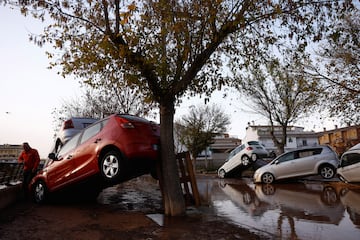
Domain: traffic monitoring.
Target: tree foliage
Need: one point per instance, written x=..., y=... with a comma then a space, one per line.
x=339, y=69
x=171, y=48
x=200, y=126
x=282, y=94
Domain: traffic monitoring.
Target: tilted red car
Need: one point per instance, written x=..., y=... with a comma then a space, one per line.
x=114, y=149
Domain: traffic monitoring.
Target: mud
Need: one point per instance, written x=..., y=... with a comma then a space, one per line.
x=132, y=210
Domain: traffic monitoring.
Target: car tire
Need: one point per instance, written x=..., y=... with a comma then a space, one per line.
x=221, y=173
x=329, y=196
x=268, y=189
x=39, y=192
x=327, y=171
x=111, y=166
x=254, y=157
x=245, y=160
x=267, y=178
x=154, y=173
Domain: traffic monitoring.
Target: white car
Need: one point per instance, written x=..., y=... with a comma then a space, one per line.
x=242, y=155
x=349, y=167
x=301, y=162
x=69, y=128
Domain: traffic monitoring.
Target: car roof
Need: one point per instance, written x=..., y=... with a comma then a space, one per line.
x=355, y=147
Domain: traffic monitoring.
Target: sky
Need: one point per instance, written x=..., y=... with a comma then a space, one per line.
x=29, y=91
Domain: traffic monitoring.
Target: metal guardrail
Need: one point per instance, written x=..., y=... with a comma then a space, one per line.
x=10, y=173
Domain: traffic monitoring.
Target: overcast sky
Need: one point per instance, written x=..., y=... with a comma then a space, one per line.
x=29, y=91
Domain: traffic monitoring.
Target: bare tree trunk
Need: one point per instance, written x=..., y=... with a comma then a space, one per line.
x=280, y=145
x=173, y=199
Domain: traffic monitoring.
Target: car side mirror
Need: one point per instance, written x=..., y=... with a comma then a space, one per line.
x=52, y=156
x=276, y=162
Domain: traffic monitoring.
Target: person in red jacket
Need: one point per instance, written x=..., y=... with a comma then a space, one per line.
x=31, y=159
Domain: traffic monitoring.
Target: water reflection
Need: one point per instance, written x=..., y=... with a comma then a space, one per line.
x=309, y=210
x=351, y=200
x=303, y=201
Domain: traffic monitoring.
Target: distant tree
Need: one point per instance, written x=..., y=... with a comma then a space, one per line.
x=172, y=48
x=102, y=101
x=282, y=94
x=338, y=66
x=178, y=141
x=200, y=126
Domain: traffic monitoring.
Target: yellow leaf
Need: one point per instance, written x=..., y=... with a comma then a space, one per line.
x=132, y=7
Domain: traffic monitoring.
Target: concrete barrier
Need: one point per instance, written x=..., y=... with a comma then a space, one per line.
x=10, y=195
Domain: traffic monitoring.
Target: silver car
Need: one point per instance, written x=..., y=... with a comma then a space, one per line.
x=349, y=167
x=69, y=128
x=301, y=162
x=242, y=155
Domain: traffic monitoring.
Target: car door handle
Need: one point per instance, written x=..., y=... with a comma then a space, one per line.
x=69, y=157
x=97, y=140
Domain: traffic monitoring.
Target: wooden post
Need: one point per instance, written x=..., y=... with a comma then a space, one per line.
x=187, y=179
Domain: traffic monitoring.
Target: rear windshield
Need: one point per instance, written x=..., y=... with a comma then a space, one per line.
x=132, y=118
x=253, y=143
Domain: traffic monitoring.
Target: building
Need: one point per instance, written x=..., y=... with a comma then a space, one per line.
x=217, y=152
x=341, y=139
x=10, y=152
x=296, y=137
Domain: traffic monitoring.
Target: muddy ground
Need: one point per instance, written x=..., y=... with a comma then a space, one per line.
x=127, y=211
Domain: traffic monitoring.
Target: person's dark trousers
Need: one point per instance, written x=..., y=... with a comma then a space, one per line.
x=27, y=176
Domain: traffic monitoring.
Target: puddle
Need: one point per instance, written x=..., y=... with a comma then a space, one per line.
x=298, y=210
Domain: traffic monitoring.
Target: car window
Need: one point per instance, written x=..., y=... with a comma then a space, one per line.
x=235, y=151
x=350, y=159
x=90, y=131
x=287, y=157
x=253, y=143
x=305, y=153
x=309, y=152
x=71, y=144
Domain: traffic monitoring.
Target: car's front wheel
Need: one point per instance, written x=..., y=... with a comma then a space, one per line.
x=221, y=173
x=254, y=157
x=39, y=192
x=111, y=166
x=327, y=171
x=267, y=178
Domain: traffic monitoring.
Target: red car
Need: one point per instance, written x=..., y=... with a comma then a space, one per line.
x=111, y=150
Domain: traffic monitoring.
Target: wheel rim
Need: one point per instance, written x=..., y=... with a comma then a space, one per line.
x=327, y=172
x=111, y=166
x=329, y=196
x=39, y=192
x=268, y=189
x=253, y=157
x=245, y=160
x=267, y=178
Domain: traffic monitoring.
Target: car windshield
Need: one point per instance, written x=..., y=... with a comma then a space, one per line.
x=133, y=118
x=349, y=159
x=69, y=145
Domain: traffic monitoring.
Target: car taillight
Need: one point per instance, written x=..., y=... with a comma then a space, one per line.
x=249, y=148
x=68, y=124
